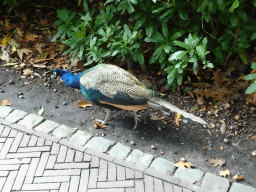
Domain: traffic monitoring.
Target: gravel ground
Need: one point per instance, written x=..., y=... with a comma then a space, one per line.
x=190, y=140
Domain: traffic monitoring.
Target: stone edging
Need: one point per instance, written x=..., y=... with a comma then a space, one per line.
x=117, y=152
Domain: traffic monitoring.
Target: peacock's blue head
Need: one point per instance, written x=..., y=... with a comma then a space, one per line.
x=69, y=78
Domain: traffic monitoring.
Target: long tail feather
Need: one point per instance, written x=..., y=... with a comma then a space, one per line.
x=158, y=103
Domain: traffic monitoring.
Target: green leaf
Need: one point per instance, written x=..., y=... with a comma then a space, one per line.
x=181, y=44
x=233, y=19
x=253, y=37
x=250, y=76
x=149, y=30
x=140, y=22
x=195, y=67
x=177, y=55
x=234, y=6
x=183, y=15
x=165, y=30
x=156, y=37
x=253, y=65
x=167, y=48
x=202, y=7
x=200, y=50
x=129, y=7
x=177, y=35
x=139, y=56
x=210, y=65
x=179, y=78
x=251, y=88
x=109, y=1
x=86, y=8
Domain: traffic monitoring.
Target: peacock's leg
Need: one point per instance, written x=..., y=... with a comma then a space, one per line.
x=106, y=117
x=135, y=119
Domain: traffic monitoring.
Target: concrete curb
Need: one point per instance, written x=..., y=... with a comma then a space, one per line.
x=116, y=152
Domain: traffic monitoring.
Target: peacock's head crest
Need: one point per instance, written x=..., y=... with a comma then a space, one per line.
x=59, y=72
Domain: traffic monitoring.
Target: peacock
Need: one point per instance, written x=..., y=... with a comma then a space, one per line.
x=111, y=87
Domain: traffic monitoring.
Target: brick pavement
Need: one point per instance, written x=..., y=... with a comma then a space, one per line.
x=41, y=155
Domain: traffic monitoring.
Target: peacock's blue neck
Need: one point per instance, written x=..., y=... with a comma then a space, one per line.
x=72, y=80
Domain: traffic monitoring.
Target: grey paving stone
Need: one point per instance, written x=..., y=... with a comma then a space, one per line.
x=212, y=182
x=237, y=187
x=71, y=165
x=100, y=144
x=129, y=173
x=51, y=162
x=139, y=157
x=149, y=186
x=32, y=149
x=6, y=132
x=23, y=155
x=177, y=188
x=163, y=166
x=99, y=154
x=168, y=187
x=31, y=170
x=13, y=133
x=139, y=175
x=1, y=128
x=120, y=173
x=103, y=170
x=160, y=175
x=107, y=190
x=20, y=177
x=129, y=164
x=115, y=184
x=54, y=179
x=55, y=149
x=80, y=137
x=70, y=155
x=9, y=167
x=74, y=183
x=46, y=136
x=95, y=162
x=158, y=185
x=31, y=120
x=188, y=185
x=120, y=151
x=48, y=142
x=5, y=122
x=24, y=141
x=42, y=164
x=111, y=171
x=88, y=157
x=129, y=190
x=78, y=156
x=84, y=177
x=72, y=145
x=4, y=111
x=2, y=182
x=15, y=161
x=40, y=142
x=62, y=172
x=9, y=181
x=6, y=147
x=32, y=141
x=62, y=153
x=3, y=174
x=47, y=126
x=16, y=142
x=22, y=128
x=64, y=187
x=189, y=175
x=2, y=140
x=63, y=131
x=16, y=115
x=41, y=186
x=139, y=186
x=93, y=178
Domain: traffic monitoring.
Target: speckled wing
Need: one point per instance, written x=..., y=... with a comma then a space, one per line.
x=111, y=80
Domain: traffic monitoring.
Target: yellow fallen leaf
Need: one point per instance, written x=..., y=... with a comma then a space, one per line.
x=238, y=177
x=217, y=162
x=27, y=72
x=177, y=119
x=221, y=148
x=6, y=102
x=83, y=104
x=41, y=111
x=183, y=164
x=98, y=125
x=224, y=173
x=223, y=126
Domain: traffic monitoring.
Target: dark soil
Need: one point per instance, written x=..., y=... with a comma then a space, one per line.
x=190, y=140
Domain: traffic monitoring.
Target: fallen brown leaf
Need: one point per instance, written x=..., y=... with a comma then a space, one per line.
x=254, y=137
x=27, y=72
x=223, y=126
x=154, y=118
x=6, y=102
x=177, y=120
x=221, y=148
x=98, y=125
x=200, y=100
x=238, y=177
x=83, y=104
x=183, y=164
x=217, y=162
x=224, y=173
